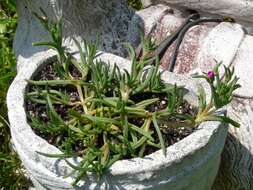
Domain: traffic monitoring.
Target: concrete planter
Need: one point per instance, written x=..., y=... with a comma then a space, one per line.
x=191, y=164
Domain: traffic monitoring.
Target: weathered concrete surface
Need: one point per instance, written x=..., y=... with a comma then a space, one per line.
x=110, y=20
x=205, y=45
x=237, y=160
x=240, y=10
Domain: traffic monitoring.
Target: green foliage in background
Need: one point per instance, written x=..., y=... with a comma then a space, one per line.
x=11, y=174
x=7, y=60
x=135, y=4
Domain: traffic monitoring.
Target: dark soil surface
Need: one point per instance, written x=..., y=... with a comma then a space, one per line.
x=35, y=110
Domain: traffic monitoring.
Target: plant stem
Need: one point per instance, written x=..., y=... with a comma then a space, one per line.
x=80, y=93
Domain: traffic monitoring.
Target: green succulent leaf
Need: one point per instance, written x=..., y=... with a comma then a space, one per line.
x=158, y=131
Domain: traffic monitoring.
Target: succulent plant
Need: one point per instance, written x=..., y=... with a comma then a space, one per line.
x=115, y=113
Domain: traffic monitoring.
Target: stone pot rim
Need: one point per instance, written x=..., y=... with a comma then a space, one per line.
x=155, y=161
